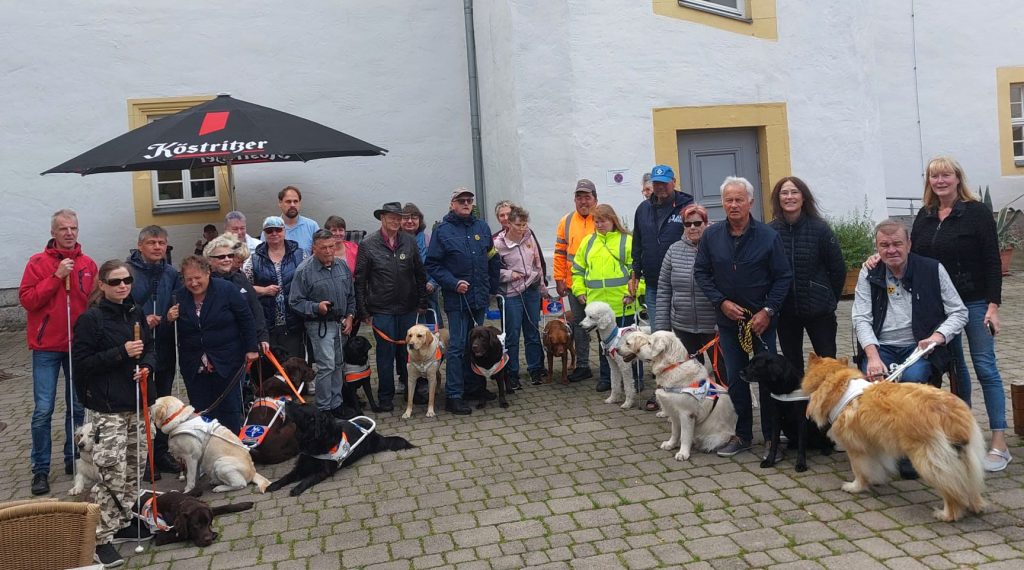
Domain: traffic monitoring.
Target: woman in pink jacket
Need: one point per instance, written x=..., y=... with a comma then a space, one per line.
x=522, y=284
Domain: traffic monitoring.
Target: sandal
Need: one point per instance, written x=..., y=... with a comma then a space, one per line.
x=652, y=405
x=1002, y=459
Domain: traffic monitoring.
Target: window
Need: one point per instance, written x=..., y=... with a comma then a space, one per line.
x=730, y=8
x=1017, y=120
x=175, y=189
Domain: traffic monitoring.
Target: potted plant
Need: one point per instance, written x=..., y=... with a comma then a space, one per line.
x=855, y=234
x=1008, y=234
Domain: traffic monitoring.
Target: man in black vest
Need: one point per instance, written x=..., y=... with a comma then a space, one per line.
x=905, y=302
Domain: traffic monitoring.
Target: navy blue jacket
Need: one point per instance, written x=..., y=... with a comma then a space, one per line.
x=225, y=330
x=461, y=249
x=264, y=274
x=752, y=272
x=156, y=282
x=655, y=229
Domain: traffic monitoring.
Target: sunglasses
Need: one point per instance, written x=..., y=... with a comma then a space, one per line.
x=695, y=224
x=117, y=281
x=272, y=230
x=463, y=200
x=222, y=257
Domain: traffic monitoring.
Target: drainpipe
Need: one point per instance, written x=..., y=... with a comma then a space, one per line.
x=474, y=109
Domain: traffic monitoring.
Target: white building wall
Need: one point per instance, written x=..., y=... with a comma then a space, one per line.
x=390, y=72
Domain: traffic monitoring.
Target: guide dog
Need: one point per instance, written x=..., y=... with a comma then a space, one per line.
x=487, y=357
x=426, y=352
x=558, y=342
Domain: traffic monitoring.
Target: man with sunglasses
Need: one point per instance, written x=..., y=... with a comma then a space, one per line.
x=154, y=282
x=54, y=290
x=657, y=224
x=461, y=258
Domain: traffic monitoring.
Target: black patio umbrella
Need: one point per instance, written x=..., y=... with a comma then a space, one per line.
x=222, y=131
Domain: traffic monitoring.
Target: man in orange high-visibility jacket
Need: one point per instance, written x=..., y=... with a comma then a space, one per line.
x=571, y=231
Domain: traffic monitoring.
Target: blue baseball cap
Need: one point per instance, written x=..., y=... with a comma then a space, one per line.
x=662, y=173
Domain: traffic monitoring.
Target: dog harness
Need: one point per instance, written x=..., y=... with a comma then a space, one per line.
x=854, y=390
x=611, y=343
x=797, y=395
x=494, y=369
x=422, y=367
x=155, y=524
x=252, y=435
x=701, y=389
x=355, y=372
x=343, y=449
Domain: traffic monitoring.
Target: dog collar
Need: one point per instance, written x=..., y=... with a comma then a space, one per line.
x=356, y=373
x=494, y=369
x=854, y=389
x=172, y=416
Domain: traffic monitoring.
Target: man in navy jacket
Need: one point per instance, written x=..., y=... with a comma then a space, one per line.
x=462, y=260
x=657, y=224
x=742, y=268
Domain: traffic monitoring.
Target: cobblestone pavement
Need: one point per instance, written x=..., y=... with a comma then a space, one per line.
x=562, y=480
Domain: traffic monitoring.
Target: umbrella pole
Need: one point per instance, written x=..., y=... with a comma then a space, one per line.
x=231, y=186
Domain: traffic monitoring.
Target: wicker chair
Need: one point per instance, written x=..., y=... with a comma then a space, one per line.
x=37, y=535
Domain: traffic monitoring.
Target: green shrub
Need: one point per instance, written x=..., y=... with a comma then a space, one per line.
x=855, y=234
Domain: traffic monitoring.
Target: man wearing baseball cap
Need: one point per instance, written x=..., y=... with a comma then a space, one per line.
x=657, y=224
x=461, y=258
x=571, y=230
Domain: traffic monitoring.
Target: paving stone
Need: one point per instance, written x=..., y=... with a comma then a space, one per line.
x=808, y=532
x=858, y=560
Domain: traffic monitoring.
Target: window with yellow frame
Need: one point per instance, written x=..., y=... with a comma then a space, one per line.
x=755, y=18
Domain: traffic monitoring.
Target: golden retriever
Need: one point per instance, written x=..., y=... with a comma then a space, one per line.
x=887, y=421
x=201, y=445
x=426, y=351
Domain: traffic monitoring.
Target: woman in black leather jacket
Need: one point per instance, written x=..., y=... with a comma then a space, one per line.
x=818, y=272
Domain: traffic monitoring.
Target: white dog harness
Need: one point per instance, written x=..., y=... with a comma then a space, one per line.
x=854, y=390
x=155, y=524
x=252, y=435
x=494, y=369
x=424, y=367
x=797, y=395
x=343, y=449
x=701, y=389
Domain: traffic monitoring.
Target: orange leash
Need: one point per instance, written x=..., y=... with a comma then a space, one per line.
x=280, y=370
x=713, y=343
x=381, y=334
x=144, y=388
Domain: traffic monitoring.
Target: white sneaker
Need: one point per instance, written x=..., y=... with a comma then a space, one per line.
x=1001, y=460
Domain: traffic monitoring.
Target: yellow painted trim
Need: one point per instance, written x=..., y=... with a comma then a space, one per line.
x=769, y=119
x=763, y=22
x=1004, y=77
x=139, y=112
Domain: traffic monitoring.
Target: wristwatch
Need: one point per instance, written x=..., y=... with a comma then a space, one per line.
x=770, y=311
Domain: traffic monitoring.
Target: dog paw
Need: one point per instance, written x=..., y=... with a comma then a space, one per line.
x=504, y=404
x=661, y=414
x=222, y=488
x=682, y=456
x=943, y=515
x=766, y=463
x=430, y=413
x=406, y=415
x=666, y=445
x=801, y=467
x=628, y=404
x=75, y=491
x=609, y=400
x=852, y=487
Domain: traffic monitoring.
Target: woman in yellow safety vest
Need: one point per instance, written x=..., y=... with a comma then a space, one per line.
x=600, y=272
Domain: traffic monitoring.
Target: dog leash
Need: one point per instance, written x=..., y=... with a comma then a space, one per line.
x=385, y=337
x=715, y=348
x=231, y=385
x=144, y=388
x=746, y=333
x=280, y=370
x=897, y=370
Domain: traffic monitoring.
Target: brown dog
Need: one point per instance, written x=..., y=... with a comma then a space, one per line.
x=274, y=386
x=190, y=518
x=270, y=432
x=558, y=341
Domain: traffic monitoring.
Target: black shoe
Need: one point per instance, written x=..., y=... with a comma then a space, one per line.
x=604, y=386
x=385, y=405
x=536, y=378
x=40, y=483
x=420, y=395
x=483, y=395
x=580, y=374
x=108, y=556
x=906, y=468
x=457, y=406
x=69, y=469
x=145, y=474
x=132, y=533
x=167, y=463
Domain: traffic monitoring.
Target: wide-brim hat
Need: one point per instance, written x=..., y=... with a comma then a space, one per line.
x=388, y=208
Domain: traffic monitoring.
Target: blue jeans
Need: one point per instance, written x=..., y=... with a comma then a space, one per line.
x=736, y=360
x=457, y=371
x=919, y=372
x=522, y=313
x=46, y=367
x=651, y=301
x=396, y=327
x=983, y=355
x=330, y=363
x=605, y=374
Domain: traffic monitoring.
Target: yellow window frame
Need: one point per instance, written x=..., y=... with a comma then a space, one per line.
x=761, y=21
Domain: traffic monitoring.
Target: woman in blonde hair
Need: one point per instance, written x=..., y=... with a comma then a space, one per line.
x=600, y=272
x=224, y=252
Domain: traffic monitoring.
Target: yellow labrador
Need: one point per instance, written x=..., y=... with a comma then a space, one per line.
x=426, y=351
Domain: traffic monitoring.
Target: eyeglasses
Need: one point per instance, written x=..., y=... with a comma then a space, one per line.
x=117, y=281
x=222, y=257
x=694, y=224
x=272, y=230
x=463, y=200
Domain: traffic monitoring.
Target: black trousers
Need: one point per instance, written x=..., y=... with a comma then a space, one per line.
x=821, y=330
x=289, y=341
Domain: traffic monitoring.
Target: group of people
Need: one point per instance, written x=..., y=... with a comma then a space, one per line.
x=302, y=290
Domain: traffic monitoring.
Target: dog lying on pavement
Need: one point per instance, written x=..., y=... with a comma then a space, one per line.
x=183, y=516
x=268, y=432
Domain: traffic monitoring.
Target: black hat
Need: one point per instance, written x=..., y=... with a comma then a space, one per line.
x=388, y=208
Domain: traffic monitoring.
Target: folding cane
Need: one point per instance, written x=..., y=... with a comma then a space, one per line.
x=137, y=330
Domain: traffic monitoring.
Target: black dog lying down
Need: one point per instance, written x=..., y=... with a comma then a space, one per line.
x=190, y=518
x=775, y=372
x=320, y=434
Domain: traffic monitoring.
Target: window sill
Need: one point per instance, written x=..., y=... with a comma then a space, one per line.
x=710, y=10
x=1018, y=161
x=179, y=208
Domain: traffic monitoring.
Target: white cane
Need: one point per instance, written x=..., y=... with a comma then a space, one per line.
x=138, y=453
x=71, y=375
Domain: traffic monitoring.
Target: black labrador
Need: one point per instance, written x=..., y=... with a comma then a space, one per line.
x=357, y=375
x=789, y=416
x=325, y=445
x=488, y=359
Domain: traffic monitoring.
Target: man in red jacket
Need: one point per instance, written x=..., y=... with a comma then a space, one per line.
x=59, y=277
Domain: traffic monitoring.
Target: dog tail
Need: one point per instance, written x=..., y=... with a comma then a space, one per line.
x=261, y=482
x=231, y=508
x=954, y=468
x=393, y=443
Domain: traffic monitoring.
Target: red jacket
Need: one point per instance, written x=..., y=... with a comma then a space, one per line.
x=45, y=298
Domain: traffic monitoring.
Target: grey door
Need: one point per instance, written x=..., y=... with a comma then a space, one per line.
x=706, y=157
